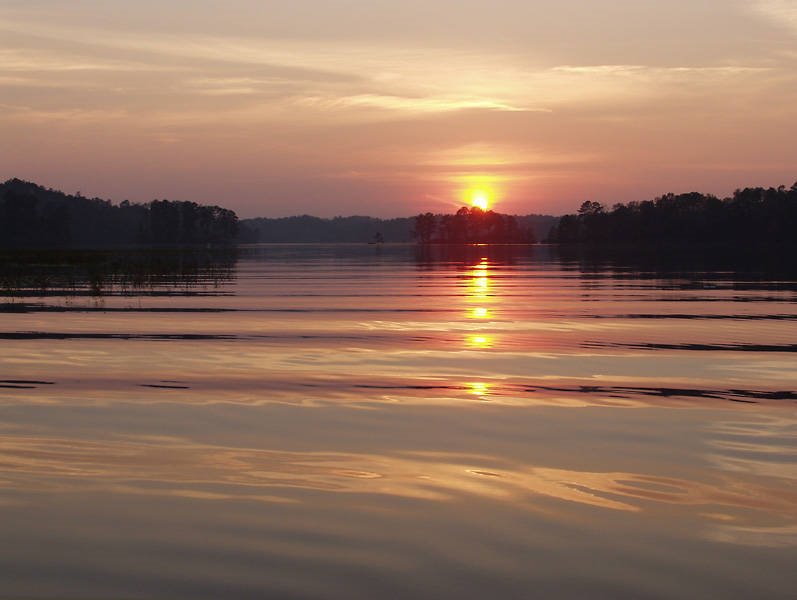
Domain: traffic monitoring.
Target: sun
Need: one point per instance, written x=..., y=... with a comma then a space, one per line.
x=480, y=192
x=480, y=199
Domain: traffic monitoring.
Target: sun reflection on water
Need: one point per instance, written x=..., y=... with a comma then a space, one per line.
x=479, y=388
x=478, y=292
x=480, y=341
x=480, y=312
x=479, y=284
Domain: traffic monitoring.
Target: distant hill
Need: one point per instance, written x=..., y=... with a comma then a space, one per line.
x=31, y=215
x=308, y=229
x=357, y=229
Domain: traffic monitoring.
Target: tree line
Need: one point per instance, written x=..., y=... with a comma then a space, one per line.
x=31, y=215
x=35, y=216
x=360, y=229
x=750, y=215
x=471, y=225
x=306, y=229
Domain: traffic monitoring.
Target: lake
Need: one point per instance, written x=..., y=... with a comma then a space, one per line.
x=389, y=421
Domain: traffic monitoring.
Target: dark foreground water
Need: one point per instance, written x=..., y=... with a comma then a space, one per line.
x=362, y=422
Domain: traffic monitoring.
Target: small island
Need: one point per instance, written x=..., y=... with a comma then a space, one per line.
x=471, y=225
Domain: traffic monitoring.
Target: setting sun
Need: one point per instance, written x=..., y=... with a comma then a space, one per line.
x=480, y=191
x=480, y=200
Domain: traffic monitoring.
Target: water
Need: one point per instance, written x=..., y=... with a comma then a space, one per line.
x=360, y=422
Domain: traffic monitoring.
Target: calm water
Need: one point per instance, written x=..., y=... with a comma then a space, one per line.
x=362, y=422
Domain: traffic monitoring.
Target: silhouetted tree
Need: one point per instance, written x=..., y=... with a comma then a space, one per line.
x=472, y=226
x=751, y=215
x=425, y=225
x=35, y=216
x=31, y=215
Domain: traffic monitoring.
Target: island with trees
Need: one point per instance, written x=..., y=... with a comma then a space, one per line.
x=471, y=225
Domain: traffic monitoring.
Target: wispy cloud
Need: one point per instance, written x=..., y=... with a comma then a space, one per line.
x=780, y=12
x=343, y=76
x=416, y=104
x=16, y=60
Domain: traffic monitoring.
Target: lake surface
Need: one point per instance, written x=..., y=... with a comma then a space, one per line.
x=365, y=422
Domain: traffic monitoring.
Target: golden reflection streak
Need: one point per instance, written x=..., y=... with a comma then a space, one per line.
x=480, y=341
x=477, y=291
x=479, y=284
x=480, y=312
x=176, y=467
x=478, y=288
x=479, y=388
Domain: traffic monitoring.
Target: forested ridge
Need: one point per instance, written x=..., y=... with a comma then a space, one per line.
x=31, y=215
x=749, y=216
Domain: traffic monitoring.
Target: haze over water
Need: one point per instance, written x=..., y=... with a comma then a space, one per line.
x=361, y=421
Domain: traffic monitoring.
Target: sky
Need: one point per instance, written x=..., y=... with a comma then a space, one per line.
x=393, y=107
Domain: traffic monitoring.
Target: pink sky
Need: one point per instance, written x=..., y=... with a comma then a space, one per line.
x=389, y=108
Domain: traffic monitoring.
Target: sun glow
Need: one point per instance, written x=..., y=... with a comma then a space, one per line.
x=480, y=200
x=480, y=191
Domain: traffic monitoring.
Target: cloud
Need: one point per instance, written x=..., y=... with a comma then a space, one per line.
x=416, y=104
x=194, y=76
x=29, y=60
x=780, y=12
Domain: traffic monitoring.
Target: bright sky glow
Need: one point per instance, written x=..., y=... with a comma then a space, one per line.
x=480, y=200
x=390, y=108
